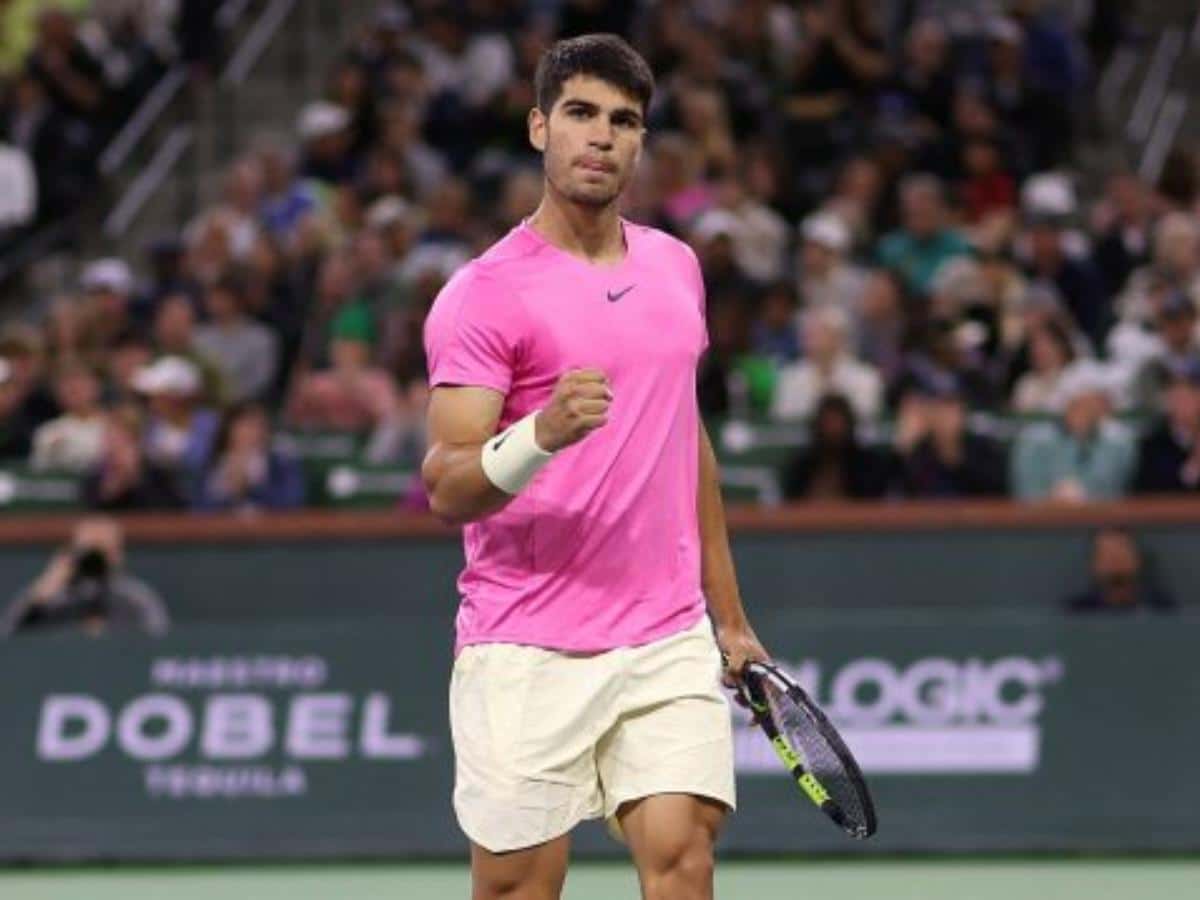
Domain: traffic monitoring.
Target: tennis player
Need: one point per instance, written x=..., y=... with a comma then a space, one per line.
x=564, y=433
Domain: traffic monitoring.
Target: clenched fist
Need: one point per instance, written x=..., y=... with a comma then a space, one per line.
x=579, y=406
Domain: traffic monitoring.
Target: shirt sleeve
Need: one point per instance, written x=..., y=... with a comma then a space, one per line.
x=472, y=333
x=697, y=275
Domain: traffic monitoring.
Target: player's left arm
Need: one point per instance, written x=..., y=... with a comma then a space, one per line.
x=717, y=576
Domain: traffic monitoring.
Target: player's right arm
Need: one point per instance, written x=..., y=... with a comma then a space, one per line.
x=471, y=472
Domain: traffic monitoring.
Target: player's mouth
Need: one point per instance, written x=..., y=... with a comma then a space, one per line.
x=597, y=165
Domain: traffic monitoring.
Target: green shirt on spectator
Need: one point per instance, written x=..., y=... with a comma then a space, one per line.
x=918, y=259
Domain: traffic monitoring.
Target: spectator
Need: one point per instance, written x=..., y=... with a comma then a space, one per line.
x=1176, y=265
x=22, y=347
x=827, y=277
x=86, y=588
x=180, y=432
x=759, y=233
x=1177, y=345
x=714, y=239
x=350, y=396
x=165, y=256
x=858, y=199
x=1123, y=228
x=828, y=367
x=1169, y=457
x=884, y=323
x=926, y=241
x=108, y=285
x=835, y=464
x=988, y=189
x=924, y=82
x=1050, y=355
x=16, y=429
x=65, y=67
x=776, y=335
x=68, y=334
x=949, y=348
x=1120, y=581
x=1084, y=457
x=74, y=441
x=733, y=379
x=1075, y=279
x=420, y=166
x=937, y=456
x=287, y=199
x=31, y=124
x=840, y=58
x=128, y=357
x=246, y=351
x=125, y=479
x=324, y=128
x=175, y=336
x=248, y=472
x=682, y=187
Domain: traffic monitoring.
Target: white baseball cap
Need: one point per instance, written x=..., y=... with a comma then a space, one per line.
x=1083, y=377
x=390, y=210
x=827, y=230
x=109, y=274
x=168, y=375
x=321, y=119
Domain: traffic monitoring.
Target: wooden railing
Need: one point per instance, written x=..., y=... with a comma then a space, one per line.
x=808, y=518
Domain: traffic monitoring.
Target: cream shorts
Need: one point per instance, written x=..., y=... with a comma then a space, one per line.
x=544, y=739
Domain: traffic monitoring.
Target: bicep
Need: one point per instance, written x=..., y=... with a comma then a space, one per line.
x=463, y=415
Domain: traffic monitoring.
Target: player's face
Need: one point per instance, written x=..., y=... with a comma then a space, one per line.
x=591, y=141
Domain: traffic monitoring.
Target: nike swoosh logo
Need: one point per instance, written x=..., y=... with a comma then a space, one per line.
x=504, y=437
x=614, y=297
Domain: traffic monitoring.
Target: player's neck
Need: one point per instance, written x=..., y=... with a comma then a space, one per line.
x=594, y=235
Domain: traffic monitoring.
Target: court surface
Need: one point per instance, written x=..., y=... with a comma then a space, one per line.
x=1084, y=879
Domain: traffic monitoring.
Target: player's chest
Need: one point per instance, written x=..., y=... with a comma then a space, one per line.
x=621, y=324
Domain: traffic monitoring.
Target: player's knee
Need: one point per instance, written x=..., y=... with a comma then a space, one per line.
x=682, y=871
x=504, y=887
x=695, y=866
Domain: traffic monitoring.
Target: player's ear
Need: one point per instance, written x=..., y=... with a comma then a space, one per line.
x=537, y=129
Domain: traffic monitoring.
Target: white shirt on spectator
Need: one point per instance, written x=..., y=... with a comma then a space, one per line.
x=801, y=386
x=842, y=287
x=68, y=443
x=476, y=75
x=18, y=187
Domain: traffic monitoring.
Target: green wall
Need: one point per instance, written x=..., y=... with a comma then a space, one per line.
x=1011, y=569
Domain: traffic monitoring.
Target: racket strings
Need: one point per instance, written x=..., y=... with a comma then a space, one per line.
x=818, y=755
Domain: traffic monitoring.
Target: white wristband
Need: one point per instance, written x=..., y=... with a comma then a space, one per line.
x=512, y=458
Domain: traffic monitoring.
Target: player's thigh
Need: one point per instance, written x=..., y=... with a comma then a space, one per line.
x=674, y=733
x=672, y=835
x=523, y=731
x=535, y=873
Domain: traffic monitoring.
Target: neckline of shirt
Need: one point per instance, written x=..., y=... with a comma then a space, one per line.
x=602, y=269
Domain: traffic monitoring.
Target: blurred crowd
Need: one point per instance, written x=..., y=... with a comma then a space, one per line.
x=71, y=72
x=896, y=247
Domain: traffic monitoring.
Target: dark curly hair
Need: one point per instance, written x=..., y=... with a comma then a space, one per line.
x=604, y=56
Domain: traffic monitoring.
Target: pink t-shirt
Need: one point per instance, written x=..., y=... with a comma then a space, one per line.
x=602, y=548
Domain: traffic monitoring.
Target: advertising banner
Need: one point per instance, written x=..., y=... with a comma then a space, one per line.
x=975, y=733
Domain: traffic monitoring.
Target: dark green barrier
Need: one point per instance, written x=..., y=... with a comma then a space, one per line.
x=980, y=733
x=956, y=569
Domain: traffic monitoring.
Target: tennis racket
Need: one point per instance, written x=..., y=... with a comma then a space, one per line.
x=809, y=747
